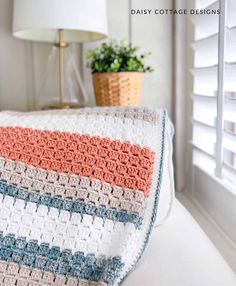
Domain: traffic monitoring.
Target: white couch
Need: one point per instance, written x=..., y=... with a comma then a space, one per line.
x=180, y=254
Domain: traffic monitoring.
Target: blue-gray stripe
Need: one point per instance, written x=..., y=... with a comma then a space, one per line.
x=68, y=204
x=59, y=261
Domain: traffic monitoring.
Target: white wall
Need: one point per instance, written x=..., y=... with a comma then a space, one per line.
x=13, y=64
x=22, y=64
x=154, y=33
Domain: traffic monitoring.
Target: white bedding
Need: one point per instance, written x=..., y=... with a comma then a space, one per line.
x=180, y=254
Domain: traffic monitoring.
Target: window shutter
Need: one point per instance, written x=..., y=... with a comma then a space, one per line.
x=214, y=124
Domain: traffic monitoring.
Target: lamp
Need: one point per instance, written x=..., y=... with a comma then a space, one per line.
x=60, y=22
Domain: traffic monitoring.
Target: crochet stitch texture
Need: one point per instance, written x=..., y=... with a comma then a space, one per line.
x=78, y=193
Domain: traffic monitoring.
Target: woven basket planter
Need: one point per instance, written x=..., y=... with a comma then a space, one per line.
x=121, y=88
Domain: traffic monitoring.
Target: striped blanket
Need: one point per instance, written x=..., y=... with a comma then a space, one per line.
x=79, y=193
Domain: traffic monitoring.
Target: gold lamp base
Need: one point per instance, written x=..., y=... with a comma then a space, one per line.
x=61, y=45
x=64, y=105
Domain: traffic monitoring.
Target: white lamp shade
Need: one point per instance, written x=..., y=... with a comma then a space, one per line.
x=39, y=20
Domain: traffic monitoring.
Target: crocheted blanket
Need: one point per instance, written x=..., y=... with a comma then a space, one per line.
x=78, y=193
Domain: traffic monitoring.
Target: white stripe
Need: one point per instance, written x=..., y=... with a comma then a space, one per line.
x=124, y=129
x=63, y=229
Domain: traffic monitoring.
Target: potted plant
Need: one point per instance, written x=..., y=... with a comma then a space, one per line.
x=117, y=73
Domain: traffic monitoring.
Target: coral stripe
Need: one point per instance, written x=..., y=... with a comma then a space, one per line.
x=115, y=162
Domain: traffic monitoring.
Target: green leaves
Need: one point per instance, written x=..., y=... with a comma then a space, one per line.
x=114, y=57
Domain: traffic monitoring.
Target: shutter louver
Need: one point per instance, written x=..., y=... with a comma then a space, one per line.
x=205, y=89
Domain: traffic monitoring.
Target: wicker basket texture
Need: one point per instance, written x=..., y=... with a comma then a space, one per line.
x=121, y=88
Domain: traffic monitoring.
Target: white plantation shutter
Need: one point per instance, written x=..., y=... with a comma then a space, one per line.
x=214, y=89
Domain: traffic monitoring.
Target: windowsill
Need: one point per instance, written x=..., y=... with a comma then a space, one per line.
x=222, y=242
x=228, y=185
